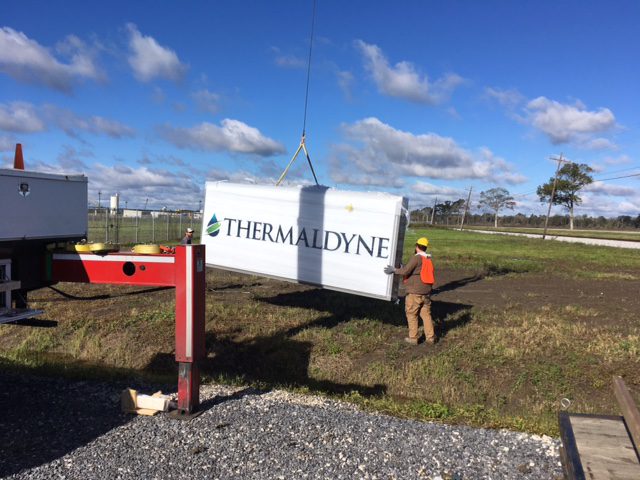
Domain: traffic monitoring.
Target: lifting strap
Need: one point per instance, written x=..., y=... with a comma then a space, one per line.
x=302, y=146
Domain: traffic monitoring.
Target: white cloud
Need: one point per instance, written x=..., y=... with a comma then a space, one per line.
x=27, y=61
x=430, y=189
x=287, y=60
x=606, y=200
x=20, y=117
x=564, y=123
x=600, y=144
x=232, y=136
x=108, y=127
x=71, y=123
x=378, y=154
x=23, y=117
x=345, y=82
x=609, y=189
x=424, y=194
x=621, y=160
x=207, y=101
x=290, y=61
x=402, y=80
x=158, y=96
x=507, y=98
x=504, y=172
x=266, y=176
x=597, y=168
x=70, y=159
x=238, y=176
x=453, y=113
x=608, y=205
x=135, y=185
x=149, y=59
x=7, y=144
x=344, y=171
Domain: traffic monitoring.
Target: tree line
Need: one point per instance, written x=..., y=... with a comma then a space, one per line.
x=561, y=189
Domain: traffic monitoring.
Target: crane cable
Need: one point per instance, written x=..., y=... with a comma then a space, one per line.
x=302, y=145
x=306, y=94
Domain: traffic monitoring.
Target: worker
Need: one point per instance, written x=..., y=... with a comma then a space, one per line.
x=418, y=279
x=188, y=237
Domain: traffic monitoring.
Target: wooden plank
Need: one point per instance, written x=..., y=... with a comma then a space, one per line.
x=629, y=409
x=604, y=447
x=571, y=459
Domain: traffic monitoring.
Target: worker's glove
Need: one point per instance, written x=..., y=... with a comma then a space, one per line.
x=389, y=270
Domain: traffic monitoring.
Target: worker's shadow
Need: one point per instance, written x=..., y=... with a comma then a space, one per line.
x=281, y=359
x=341, y=308
x=458, y=283
x=267, y=361
x=448, y=316
x=284, y=359
x=272, y=361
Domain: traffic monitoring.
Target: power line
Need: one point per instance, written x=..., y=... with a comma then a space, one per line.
x=595, y=181
x=617, y=178
x=618, y=171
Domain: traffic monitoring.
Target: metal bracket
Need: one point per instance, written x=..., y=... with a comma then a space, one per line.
x=15, y=314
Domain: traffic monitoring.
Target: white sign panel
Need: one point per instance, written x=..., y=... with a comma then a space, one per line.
x=335, y=239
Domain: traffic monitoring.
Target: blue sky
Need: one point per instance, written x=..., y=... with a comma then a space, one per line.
x=423, y=99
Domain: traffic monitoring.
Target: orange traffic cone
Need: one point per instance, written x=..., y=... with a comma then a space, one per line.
x=18, y=161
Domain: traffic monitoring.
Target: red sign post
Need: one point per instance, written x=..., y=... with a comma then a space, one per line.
x=184, y=270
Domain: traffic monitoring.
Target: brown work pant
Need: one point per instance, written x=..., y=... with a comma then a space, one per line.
x=419, y=306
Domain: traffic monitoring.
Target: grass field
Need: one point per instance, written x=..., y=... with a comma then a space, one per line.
x=522, y=324
x=633, y=236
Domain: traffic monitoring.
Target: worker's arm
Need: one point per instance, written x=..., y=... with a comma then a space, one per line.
x=409, y=267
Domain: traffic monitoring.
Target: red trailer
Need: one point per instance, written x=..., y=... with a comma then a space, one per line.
x=31, y=257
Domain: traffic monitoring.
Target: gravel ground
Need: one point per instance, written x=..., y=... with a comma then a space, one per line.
x=54, y=428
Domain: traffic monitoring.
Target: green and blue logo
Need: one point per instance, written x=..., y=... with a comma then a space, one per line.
x=213, y=227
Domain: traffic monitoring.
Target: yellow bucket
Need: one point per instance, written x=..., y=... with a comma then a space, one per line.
x=146, y=249
x=79, y=247
x=103, y=247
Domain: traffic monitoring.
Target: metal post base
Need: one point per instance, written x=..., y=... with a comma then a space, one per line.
x=188, y=387
x=181, y=415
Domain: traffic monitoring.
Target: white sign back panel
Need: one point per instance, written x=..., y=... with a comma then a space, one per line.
x=41, y=205
x=335, y=239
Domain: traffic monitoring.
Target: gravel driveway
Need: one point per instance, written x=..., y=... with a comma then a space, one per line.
x=53, y=428
x=603, y=242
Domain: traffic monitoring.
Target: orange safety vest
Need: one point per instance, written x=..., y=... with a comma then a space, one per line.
x=426, y=272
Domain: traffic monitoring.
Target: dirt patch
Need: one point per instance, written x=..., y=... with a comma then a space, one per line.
x=512, y=344
x=611, y=301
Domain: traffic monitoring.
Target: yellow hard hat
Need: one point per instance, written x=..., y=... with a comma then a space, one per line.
x=423, y=241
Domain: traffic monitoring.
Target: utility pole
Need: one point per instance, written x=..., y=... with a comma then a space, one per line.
x=560, y=161
x=433, y=210
x=466, y=208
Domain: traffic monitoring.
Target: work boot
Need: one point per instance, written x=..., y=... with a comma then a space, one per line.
x=431, y=342
x=412, y=341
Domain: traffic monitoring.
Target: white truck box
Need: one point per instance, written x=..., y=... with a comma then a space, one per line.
x=41, y=205
x=335, y=239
